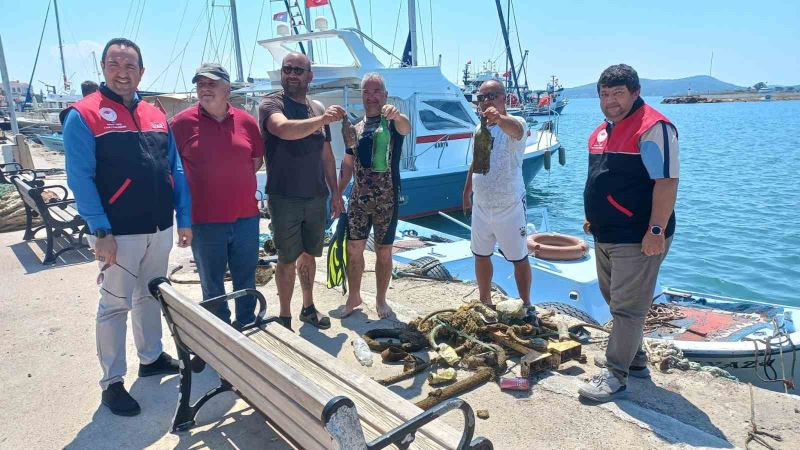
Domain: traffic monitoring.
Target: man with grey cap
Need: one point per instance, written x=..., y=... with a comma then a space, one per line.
x=221, y=149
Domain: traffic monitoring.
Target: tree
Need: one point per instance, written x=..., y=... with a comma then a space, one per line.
x=759, y=85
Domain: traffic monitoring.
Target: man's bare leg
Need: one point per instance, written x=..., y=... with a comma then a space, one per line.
x=383, y=274
x=306, y=269
x=522, y=275
x=483, y=274
x=355, y=270
x=284, y=278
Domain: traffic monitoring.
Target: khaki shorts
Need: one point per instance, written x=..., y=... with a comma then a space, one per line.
x=298, y=226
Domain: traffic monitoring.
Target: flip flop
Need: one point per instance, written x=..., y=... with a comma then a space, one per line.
x=313, y=319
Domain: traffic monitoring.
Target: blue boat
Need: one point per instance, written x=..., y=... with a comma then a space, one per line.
x=755, y=341
x=436, y=155
x=53, y=141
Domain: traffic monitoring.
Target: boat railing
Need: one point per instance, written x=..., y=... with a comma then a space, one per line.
x=411, y=160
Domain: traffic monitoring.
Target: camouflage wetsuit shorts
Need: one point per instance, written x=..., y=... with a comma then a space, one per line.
x=374, y=200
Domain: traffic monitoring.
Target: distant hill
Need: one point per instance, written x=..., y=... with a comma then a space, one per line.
x=661, y=88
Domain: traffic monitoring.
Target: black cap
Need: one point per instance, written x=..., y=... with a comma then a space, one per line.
x=213, y=71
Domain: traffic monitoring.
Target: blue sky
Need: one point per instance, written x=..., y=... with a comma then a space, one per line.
x=751, y=41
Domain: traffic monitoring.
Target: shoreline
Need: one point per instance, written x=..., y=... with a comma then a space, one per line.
x=731, y=97
x=51, y=371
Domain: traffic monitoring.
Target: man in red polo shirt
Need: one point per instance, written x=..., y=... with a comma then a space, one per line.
x=221, y=149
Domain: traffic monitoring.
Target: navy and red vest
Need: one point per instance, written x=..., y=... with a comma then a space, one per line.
x=618, y=196
x=133, y=175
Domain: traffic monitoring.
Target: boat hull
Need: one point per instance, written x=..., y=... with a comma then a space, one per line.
x=53, y=142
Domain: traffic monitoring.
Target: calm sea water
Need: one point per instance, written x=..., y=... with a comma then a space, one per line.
x=738, y=207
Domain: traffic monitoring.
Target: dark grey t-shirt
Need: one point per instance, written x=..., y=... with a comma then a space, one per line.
x=294, y=168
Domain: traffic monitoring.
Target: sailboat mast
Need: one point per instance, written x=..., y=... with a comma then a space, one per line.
x=508, y=47
x=61, y=48
x=7, y=87
x=237, y=48
x=412, y=30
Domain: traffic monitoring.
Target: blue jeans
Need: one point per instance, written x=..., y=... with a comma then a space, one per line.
x=217, y=246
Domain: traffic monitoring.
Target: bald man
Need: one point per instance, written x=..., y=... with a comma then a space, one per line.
x=301, y=173
x=499, y=213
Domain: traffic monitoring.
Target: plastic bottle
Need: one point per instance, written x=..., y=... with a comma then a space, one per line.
x=380, y=146
x=482, y=149
x=362, y=352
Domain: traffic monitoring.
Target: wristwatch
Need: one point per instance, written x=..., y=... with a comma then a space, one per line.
x=100, y=233
x=656, y=230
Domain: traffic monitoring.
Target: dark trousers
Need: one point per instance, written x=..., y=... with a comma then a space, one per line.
x=220, y=246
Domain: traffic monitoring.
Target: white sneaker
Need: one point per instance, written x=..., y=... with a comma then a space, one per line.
x=603, y=387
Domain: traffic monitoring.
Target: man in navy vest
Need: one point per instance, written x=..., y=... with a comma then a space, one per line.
x=123, y=166
x=628, y=200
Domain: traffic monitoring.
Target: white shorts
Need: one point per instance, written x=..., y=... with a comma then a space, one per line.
x=506, y=226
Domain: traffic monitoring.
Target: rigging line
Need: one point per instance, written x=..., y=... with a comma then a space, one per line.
x=255, y=41
x=127, y=16
x=396, y=27
x=430, y=14
x=178, y=34
x=132, y=23
x=422, y=33
x=176, y=57
x=519, y=42
x=28, y=94
x=223, y=42
x=139, y=25
x=208, y=31
x=180, y=64
x=371, y=33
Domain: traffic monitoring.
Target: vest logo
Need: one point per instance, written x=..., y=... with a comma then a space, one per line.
x=158, y=125
x=602, y=136
x=109, y=114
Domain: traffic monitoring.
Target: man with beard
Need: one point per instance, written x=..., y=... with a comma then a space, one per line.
x=301, y=173
x=499, y=212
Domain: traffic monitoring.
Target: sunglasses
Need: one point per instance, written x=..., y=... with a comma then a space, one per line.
x=491, y=96
x=297, y=70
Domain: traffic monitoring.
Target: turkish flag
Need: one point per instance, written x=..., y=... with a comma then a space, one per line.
x=315, y=3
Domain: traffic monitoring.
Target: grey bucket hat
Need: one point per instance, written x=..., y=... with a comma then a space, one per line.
x=213, y=71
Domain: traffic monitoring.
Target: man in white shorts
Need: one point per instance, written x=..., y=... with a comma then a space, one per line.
x=498, y=212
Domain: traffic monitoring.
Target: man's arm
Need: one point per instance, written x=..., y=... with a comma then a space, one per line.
x=181, y=196
x=257, y=163
x=80, y=164
x=345, y=173
x=509, y=124
x=401, y=122
x=291, y=130
x=659, y=151
x=329, y=167
x=466, y=197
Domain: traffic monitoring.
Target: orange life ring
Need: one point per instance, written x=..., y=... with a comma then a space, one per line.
x=557, y=247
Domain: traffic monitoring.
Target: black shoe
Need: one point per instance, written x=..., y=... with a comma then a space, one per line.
x=286, y=322
x=117, y=399
x=164, y=365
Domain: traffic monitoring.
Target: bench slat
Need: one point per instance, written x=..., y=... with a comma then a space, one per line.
x=294, y=422
x=380, y=409
x=222, y=339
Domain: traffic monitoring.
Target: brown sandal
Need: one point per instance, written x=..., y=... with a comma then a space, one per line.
x=313, y=318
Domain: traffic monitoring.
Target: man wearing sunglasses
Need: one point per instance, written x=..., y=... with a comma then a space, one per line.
x=373, y=203
x=301, y=174
x=499, y=214
x=221, y=149
x=123, y=166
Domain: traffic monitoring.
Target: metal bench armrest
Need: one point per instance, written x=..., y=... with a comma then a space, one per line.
x=213, y=303
x=40, y=189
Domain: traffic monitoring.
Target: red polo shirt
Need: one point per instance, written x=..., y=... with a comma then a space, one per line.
x=218, y=162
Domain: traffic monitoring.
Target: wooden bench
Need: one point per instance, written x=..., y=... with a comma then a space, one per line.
x=7, y=170
x=59, y=216
x=310, y=397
